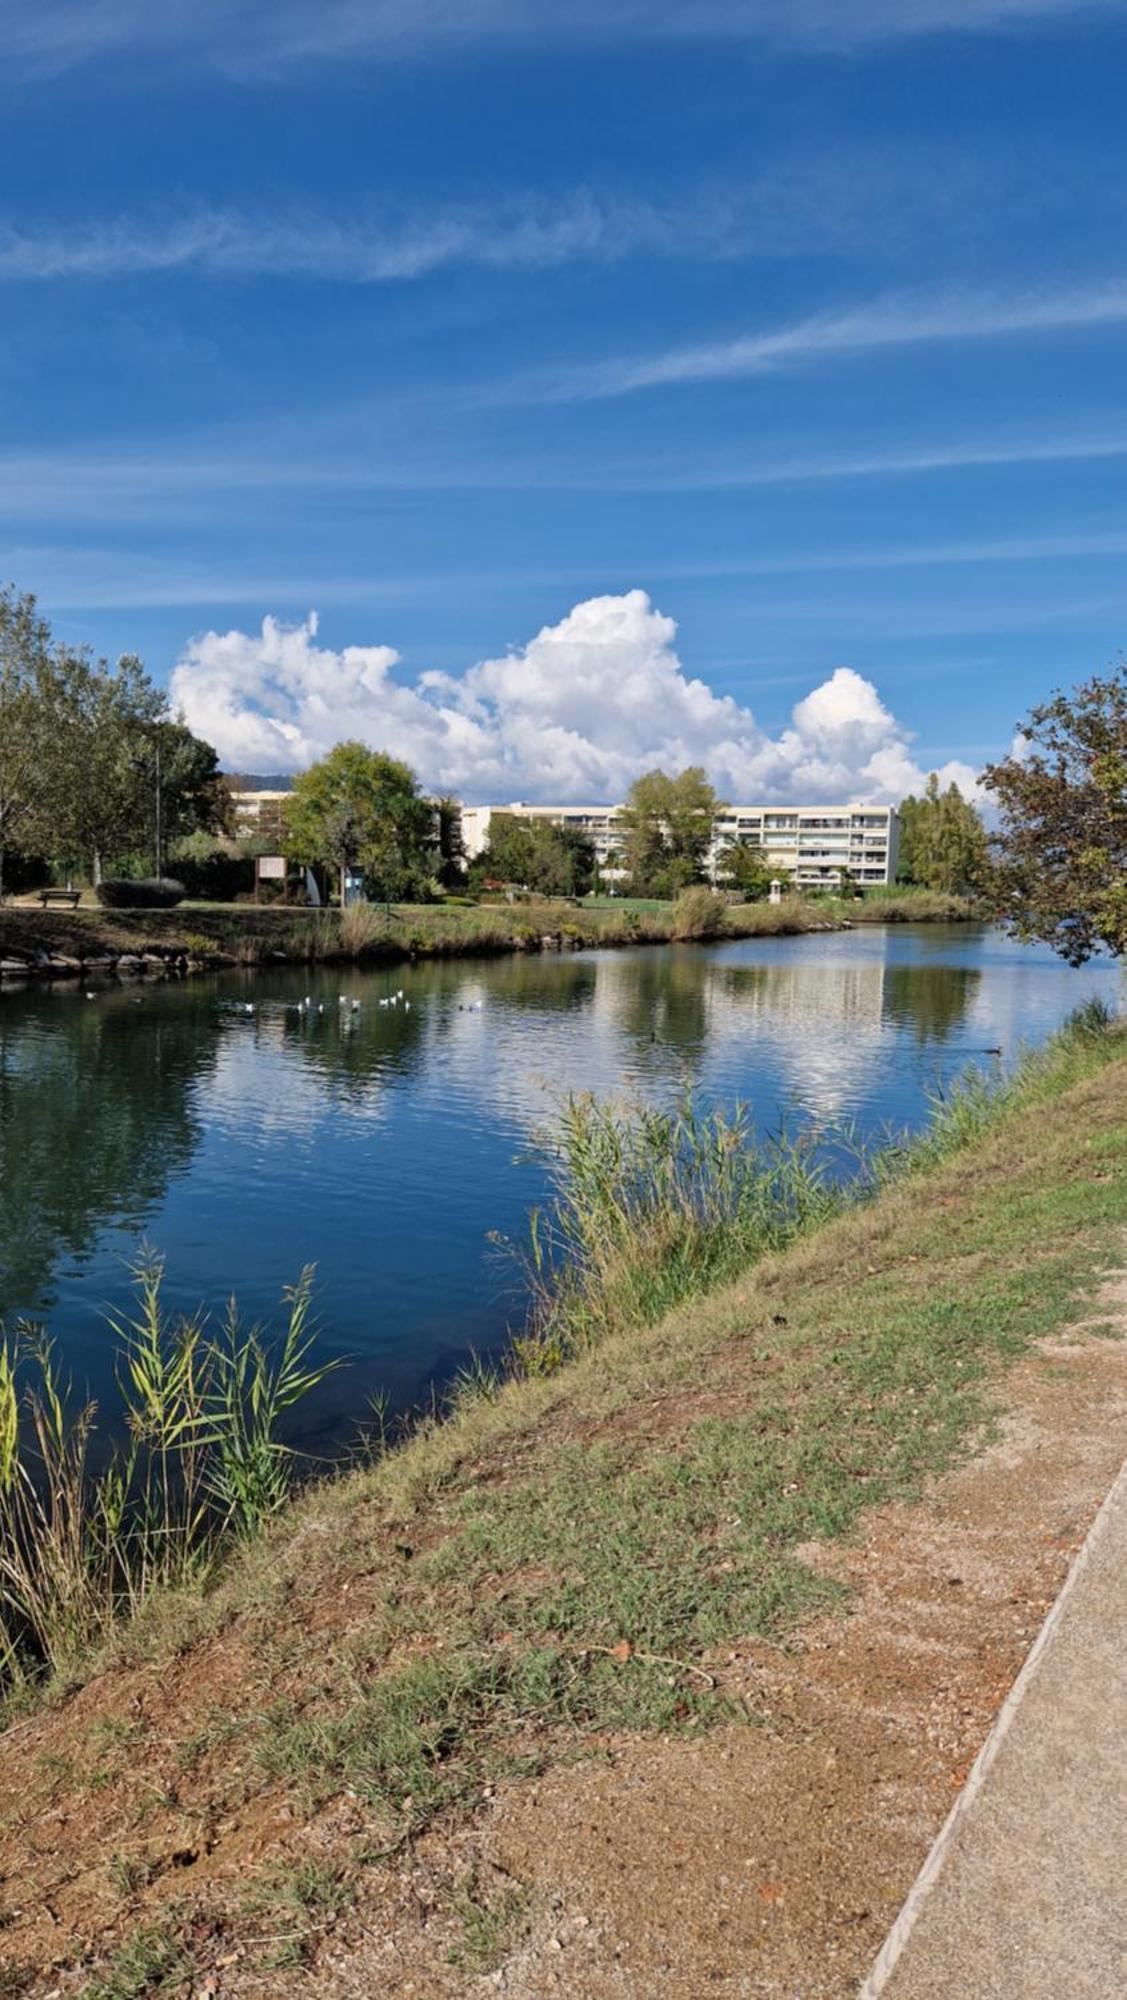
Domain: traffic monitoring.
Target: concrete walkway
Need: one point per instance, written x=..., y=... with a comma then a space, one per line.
x=1024, y=1895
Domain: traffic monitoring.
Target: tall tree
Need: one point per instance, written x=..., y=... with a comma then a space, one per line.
x=1060, y=853
x=136, y=777
x=359, y=809
x=29, y=750
x=943, y=842
x=105, y=715
x=195, y=796
x=552, y=860
x=91, y=762
x=667, y=828
x=507, y=854
x=451, y=844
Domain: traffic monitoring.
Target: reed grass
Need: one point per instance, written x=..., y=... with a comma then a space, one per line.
x=972, y=1104
x=653, y=1206
x=83, y=1545
x=361, y=927
x=698, y=913
x=252, y=936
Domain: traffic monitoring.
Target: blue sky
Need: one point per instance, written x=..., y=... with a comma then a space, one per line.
x=562, y=360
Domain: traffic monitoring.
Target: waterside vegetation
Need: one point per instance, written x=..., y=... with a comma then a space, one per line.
x=571, y=1550
x=83, y=1545
x=54, y=941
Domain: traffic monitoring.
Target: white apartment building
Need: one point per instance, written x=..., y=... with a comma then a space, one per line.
x=808, y=844
x=256, y=810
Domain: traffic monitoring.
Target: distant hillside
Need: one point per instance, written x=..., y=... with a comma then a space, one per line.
x=258, y=781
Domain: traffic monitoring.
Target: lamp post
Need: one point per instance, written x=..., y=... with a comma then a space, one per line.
x=158, y=829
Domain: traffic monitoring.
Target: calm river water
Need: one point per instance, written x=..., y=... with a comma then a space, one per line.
x=384, y=1143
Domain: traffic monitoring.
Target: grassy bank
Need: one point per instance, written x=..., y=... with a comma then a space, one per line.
x=241, y=934
x=567, y=1559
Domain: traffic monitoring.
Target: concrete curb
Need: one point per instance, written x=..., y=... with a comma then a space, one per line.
x=894, y=1944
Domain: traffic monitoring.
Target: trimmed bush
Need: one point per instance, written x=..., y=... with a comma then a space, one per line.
x=119, y=893
x=215, y=877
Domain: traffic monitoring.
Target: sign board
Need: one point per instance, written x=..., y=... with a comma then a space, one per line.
x=272, y=867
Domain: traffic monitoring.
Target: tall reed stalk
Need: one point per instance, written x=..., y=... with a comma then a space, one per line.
x=202, y=1462
x=650, y=1205
x=361, y=926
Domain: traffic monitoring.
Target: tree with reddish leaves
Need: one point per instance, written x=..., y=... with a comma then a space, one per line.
x=1061, y=845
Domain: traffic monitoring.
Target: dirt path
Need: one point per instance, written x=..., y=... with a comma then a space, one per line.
x=770, y=1859
x=764, y=1857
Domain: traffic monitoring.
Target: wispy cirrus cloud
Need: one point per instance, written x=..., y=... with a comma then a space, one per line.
x=797, y=206
x=898, y=320
x=253, y=37
x=773, y=216
x=167, y=484
x=370, y=249
x=72, y=577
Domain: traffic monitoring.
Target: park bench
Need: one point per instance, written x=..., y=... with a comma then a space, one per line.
x=70, y=896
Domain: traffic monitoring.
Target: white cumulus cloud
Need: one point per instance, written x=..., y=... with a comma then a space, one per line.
x=575, y=714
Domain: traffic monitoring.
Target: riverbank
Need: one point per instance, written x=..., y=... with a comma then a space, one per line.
x=567, y=1687
x=91, y=940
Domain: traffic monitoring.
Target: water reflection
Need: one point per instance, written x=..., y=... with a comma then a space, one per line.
x=96, y=1114
x=383, y=1142
x=931, y=1000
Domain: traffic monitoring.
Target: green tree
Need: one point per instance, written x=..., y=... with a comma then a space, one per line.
x=195, y=797
x=563, y=860
x=104, y=716
x=1060, y=853
x=551, y=860
x=507, y=854
x=943, y=843
x=451, y=845
x=359, y=809
x=29, y=751
x=667, y=827
x=743, y=867
x=88, y=749
x=136, y=777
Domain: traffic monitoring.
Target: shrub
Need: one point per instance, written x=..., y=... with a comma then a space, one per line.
x=118, y=893
x=698, y=913
x=213, y=874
